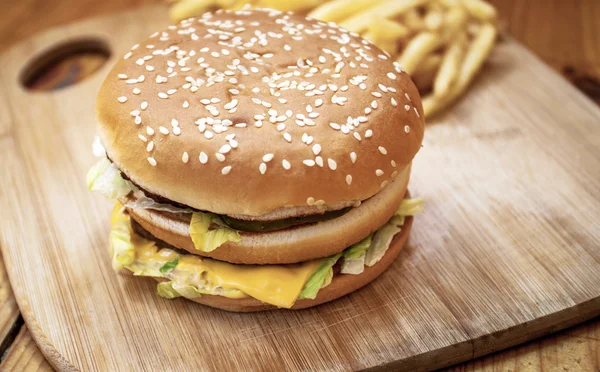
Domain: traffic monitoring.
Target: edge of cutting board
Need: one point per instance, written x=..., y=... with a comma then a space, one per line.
x=460, y=351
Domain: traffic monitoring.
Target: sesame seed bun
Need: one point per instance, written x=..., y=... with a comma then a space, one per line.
x=341, y=285
x=247, y=112
x=297, y=244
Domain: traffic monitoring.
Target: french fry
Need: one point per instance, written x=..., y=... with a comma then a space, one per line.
x=426, y=72
x=454, y=22
x=337, y=10
x=388, y=9
x=383, y=28
x=429, y=65
x=290, y=5
x=450, y=67
x=480, y=10
x=449, y=3
x=417, y=49
x=477, y=53
x=413, y=20
x=434, y=20
x=389, y=45
x=187, y=8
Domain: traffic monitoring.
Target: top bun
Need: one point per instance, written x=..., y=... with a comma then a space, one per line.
x=251, y=111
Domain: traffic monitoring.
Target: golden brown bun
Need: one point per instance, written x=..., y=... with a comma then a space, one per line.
x=341, y=285
x=382, y=133
x=302, y=243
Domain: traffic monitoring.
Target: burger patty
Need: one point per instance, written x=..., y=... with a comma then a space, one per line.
x=274, y=221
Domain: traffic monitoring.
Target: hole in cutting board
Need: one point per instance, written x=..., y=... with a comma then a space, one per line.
x=64, y=65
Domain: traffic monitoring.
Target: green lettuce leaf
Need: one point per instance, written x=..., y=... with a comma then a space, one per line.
x=122, y=250
x=105, y=178
x=165, y=289
x=354, y=266
x=380, y=244
x=357, y=250
x=410, y=207
x=172, y=290
x=169, y=266
x=317, y=279
x=207, y=240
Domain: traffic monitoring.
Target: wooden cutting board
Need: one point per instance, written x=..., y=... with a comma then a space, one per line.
x=508, y=248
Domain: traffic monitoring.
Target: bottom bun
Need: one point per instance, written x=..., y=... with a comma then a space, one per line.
x=341, y=285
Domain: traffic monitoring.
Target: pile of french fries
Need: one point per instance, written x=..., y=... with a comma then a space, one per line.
x=442, y=44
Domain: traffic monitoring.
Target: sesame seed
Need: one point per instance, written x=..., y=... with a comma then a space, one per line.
x=319, y=161
x=287, y=137
x=185, y=104
x=310, y=201
x=384, y=184
x=377, y=94
x=122, y=99
x=220, y=157
x=150, y=146
x=163, y=130
x=122, y=76
x=353, y=157
x=357, y=136
x=141, y=137
x=308, y=162
x=286, y=164
x=163, y=95
x=349, y=179
x=226, y=170
x=267, y=157
x=394, y=102
x=391, y=75
x=149, y=131
x=203, y=158
x=368, y=133
x=144, y=105
x=417, y=112
x=332, y=164
x=262, y=168
x=393, y=164
x=138, y=120
x=407, y=107
x=316, y=149
x=136, y=91
x=152, y=161
x=379, y=172
x=185, y=157
x=382, y=150
x=406, y=129
x=374, y=104
x=225, y=149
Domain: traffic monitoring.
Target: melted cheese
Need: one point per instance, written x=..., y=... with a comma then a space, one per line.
x=278, y=285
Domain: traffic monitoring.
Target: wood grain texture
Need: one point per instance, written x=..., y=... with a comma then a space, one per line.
x=565, y=34
x=575, y=349
x=514, y=254
x=9, y=312
x=527, y=21
x=24, y=356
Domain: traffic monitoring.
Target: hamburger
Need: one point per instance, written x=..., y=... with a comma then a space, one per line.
x=259, y=160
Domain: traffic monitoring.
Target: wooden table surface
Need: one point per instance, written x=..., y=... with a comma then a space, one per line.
x=566, y=34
